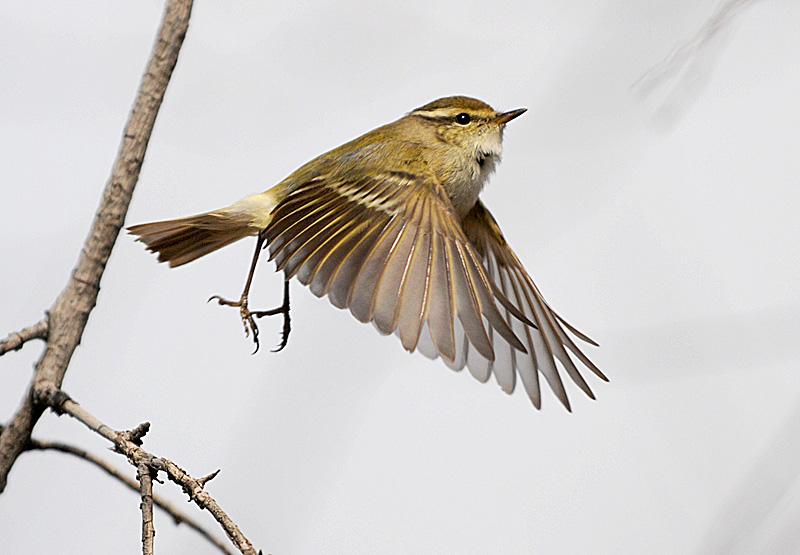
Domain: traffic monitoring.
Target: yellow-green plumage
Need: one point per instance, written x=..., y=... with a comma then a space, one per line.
x=389, y=225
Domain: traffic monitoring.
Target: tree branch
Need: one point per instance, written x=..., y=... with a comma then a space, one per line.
x=145, y=476
x=178, y=516
x=16, y=339
x=70, y=311
x=128, y=444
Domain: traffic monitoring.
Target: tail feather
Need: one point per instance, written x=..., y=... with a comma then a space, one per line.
x=186, y=239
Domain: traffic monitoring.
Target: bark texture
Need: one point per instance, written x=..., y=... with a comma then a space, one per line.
x=70, y=311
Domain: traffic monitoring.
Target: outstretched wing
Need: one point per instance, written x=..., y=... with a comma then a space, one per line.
x=545, y=344
x=391, y=249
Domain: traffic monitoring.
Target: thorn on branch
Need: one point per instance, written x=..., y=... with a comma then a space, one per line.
x=137, y=456
x=178, y=517
x=205, y=479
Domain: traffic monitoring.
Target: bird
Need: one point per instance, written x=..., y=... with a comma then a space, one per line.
x=390, y=226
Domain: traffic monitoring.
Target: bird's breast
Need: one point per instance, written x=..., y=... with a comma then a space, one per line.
x=465, y=181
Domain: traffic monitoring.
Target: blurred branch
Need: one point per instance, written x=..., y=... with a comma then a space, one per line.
x=178, y=516
x=688, y=65
x=129, y=444
x=70, y=311
x=16, y=339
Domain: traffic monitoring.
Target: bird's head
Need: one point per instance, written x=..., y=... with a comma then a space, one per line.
x=468, y=124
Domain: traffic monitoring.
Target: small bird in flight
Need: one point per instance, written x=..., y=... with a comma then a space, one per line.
x=390, y=226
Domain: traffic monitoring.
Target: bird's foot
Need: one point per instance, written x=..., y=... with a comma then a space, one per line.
x=249, y=323
x=249, y=319
x=287, y=323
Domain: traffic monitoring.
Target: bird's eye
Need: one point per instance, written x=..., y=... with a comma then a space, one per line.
x=463, y=119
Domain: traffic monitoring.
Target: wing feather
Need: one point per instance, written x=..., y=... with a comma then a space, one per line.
x=363, y=287
x=504, y=364
x=412, y=308
x=546, y=340
x=327, y=246
x=526, y=366
x=392, y=250
x=467, y=307
x=386, y=295
x=340, y=284
x=302, y=248
x=441, y=309
x=319, y=280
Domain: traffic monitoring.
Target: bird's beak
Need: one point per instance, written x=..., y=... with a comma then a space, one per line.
x=505, y=117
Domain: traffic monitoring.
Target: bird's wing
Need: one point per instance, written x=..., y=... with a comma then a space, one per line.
x=545, y=344
x=391, y=249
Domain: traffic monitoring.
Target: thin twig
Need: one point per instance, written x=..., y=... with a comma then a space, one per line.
x=145, y=476
x=16, y=339
x=178, y=516
x=61, y=403
x=70, y=311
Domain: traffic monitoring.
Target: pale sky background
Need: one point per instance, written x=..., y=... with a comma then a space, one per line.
x=673, y=241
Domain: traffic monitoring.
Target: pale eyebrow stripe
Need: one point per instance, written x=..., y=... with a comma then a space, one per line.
x=435, y=114
x=447, y=114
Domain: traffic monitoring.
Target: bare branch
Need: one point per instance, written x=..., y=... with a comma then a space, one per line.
x=70, y=311
x=16, y=339
x=178, y=516
x=145, y=476
x=62, y=404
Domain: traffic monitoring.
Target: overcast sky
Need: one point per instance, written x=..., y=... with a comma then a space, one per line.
x=666, y=227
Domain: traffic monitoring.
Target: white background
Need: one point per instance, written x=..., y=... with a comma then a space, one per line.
x=668, y=232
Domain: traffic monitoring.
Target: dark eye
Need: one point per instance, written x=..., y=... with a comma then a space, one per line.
x=463, y=119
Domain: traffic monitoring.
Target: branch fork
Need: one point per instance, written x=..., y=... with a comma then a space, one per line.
x=63, y=325
x=128, y=443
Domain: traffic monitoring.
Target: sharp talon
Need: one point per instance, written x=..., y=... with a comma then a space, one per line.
x=248, y=317
x=225, y=302
x=280, y=347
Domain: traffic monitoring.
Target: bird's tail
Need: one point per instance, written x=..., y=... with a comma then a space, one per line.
x=186, y=239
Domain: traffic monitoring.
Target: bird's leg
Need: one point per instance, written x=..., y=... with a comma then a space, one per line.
x=248, y=316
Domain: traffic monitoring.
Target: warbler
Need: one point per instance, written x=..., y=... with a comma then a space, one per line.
x=390, y=226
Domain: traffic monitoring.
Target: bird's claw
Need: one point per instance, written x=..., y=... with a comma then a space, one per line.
x=287, y=323
x=249, y=322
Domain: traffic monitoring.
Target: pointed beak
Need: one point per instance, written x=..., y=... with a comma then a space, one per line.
x=505, y=117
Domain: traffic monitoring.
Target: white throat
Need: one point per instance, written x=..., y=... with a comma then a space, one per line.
x=480, y=165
